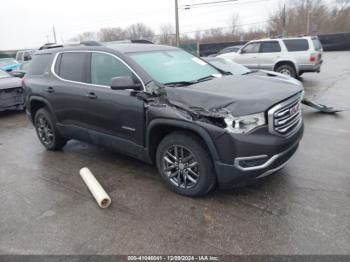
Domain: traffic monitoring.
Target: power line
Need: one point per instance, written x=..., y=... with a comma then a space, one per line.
x=208, y=3
x=220, y=3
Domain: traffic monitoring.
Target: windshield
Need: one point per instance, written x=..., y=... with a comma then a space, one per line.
x=7, y=61
x=229, y=66
x=173, y=66
x=3, y=74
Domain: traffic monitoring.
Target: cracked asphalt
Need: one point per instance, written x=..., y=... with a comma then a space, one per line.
x=45, y=207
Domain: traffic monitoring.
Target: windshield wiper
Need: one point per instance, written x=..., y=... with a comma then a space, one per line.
x=206, y=78
x=250, y=72
x=180, y=83
x=187, y=83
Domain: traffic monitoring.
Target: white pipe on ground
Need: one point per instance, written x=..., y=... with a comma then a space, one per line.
x=102, y=199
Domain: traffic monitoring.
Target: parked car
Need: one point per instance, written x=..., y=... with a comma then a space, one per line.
x=24, y=58
x=228, y=65
x=11, y=92
x=199, y=125
x=8, y=64
x=290, y=56
x=229, y=49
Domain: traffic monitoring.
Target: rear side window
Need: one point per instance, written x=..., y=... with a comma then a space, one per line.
x=19, y=56
x=317, y=44
x=40, y=64
x=294, y=45
x=251, y=48
x=73, y=66
x=104, y=67
x=270, y=47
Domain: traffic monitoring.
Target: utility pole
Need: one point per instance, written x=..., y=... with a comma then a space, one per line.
x=177, y=23
x=308, y=23
x=54, y=34
x=284, y=21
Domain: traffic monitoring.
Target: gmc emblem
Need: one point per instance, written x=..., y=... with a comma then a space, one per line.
x=293, y=110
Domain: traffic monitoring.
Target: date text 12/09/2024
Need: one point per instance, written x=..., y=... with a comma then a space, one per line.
x=173, y=258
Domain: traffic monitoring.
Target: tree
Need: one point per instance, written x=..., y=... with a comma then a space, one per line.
x=167, y=34
x=312, y=16
x=234, y=24
x=86, y=36
x=139, y=31
x=111, y=34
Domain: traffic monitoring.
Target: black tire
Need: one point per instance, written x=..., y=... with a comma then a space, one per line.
x=49, y=136
x=190, y=144
x=287, y=70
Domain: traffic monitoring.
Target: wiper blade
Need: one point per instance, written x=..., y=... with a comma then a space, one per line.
x=206, y=78
x=180, y=83
x=249, y=72
x=187, y=83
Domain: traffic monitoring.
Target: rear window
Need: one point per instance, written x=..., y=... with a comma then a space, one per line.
x=40, y=64
x=294, y=45
x=270, y=47
x=73, y=66
x=317, y=44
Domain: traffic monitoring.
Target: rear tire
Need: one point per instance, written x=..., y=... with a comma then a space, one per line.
x=47, y=131
x=286, y=69
x=185, y=165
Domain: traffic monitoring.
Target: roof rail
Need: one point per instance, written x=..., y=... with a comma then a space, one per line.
x=82, y=43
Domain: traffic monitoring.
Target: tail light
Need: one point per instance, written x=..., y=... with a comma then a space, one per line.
x=312, y=58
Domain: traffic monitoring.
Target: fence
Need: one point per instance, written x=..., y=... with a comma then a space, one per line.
x=330, y=42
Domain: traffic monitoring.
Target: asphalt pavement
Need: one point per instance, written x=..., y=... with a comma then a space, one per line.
x=45, y=208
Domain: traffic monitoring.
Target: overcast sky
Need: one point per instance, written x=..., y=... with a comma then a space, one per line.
x=27, y=23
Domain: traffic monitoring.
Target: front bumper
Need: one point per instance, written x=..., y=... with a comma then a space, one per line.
x=11, y=99
x=260, y=157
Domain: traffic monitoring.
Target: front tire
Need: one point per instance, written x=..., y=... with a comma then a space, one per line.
x=47, y=131
x=286, y=69
x=185, y=165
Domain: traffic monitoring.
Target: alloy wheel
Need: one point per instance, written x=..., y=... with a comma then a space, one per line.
x=285, y=72
x=181, y=167
x=45, y=130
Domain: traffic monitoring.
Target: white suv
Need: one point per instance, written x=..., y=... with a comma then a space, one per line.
x=290, y=56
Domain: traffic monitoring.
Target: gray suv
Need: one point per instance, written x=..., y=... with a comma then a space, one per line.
x=290, y=56
x=199, y=125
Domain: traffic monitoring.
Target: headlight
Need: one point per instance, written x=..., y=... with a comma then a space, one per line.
x=244, y=124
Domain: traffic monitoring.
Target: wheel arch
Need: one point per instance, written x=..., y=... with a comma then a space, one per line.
x=288, y=62
x=36, y=103
x=159, y=128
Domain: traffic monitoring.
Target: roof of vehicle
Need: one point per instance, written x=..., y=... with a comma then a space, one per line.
x=122, y=48
x=284, y=38
x=130, y=48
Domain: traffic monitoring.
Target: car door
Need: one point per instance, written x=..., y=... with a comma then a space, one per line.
x=67, y=93
x=248, y=56
x=270, y=52
x=116, y=113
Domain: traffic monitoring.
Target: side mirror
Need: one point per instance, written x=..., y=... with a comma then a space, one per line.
x=124, y=82
x=26, y=58
x=241, y=51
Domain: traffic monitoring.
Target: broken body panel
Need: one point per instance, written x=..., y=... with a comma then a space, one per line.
x=11, y=94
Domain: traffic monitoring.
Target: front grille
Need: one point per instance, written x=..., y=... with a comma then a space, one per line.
x=285, y=118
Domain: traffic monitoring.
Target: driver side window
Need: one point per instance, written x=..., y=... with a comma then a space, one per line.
x=104, y=67
x=251, y=48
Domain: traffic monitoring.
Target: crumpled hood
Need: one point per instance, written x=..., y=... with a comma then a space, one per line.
x=240, y=95
x=10, y=82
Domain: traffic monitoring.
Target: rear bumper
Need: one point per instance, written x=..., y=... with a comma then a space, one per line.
x=310, y=67
x=266, y=159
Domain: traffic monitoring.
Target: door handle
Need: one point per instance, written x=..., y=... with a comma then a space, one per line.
x=50, y=89
x=91, y=95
